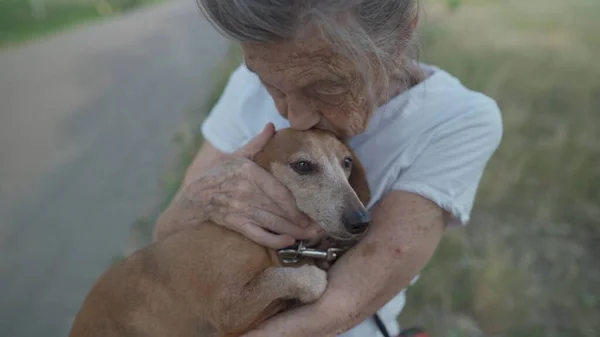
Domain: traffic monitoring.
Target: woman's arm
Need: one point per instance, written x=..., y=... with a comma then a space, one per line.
x=404, y=234
x=207, y=157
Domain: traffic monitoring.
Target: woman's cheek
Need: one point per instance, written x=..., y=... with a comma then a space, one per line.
x=281, y=106
x=355, y=116
x=337, y=117
x=360, y=111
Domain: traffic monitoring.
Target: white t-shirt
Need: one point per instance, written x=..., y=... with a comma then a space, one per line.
x=433, y=140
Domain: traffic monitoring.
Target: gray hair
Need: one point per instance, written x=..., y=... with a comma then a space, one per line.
x=374, y=34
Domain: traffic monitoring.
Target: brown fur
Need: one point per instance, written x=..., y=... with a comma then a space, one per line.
x=210, y=281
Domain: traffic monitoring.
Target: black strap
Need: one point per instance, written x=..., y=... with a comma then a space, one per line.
x=381, y=326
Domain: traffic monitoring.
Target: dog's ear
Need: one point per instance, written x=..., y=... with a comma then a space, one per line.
x=358, y=180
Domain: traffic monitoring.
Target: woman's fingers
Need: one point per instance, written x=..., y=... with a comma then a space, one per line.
x=263, y=184
x=279, y=195
x=257, y=143
x=270, y=222
x=264, y=238
x=280, y=225
x=273, y=188
x=243, y=196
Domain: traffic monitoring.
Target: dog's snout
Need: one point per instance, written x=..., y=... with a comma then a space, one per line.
x=357, y=222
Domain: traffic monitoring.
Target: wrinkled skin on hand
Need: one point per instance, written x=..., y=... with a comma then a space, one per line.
x=239, y=194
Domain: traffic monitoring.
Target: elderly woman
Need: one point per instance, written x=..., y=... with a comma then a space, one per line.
x=343, y=66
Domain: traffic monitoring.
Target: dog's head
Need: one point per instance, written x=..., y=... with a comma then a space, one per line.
x=325, y=177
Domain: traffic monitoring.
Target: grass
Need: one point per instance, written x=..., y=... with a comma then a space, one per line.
x=19, y=23
x=525, y=265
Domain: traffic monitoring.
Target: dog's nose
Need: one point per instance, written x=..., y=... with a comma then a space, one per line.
x=357, y=222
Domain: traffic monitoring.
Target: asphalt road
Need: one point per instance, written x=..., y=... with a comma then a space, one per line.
x=86, y=125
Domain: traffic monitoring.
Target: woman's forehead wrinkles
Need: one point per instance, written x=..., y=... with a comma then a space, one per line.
x=285, y=55
x=301, y=72
x=307, y=74
x=283, y=50
x=287, y=61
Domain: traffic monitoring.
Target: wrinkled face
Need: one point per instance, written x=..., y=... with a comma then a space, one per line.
x=316, y=168
x=311, y=85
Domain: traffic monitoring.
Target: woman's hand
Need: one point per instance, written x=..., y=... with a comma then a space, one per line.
x=239, y=194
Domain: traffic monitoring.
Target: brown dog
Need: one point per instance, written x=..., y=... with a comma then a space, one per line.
x=212, y=281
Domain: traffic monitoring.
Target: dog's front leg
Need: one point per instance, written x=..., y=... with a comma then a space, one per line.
x=269, y=294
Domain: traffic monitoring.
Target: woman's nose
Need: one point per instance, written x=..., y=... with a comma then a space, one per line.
x=300, y=115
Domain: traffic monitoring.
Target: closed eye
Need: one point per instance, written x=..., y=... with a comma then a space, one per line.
x=329, y=92
x=329, y=88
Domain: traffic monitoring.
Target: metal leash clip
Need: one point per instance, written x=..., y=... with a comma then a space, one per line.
x=290, y=256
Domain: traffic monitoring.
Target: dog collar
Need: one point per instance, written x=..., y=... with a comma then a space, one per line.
x=296, y=253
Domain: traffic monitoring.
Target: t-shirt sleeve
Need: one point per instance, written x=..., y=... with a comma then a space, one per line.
x=223, y=128
x=449, y=168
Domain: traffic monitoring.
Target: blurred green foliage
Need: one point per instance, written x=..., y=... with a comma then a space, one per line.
x=454, y=4
x=22, y=19
x=525, y=266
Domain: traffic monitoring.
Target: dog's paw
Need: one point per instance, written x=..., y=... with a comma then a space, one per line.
x=310, y=283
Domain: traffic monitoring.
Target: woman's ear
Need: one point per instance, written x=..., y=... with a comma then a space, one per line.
x=358, y=180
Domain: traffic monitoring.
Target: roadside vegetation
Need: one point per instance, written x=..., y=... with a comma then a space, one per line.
x=23, y=20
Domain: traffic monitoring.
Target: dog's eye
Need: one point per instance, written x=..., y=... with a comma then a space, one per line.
x=303, y=167
x=347, y=163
